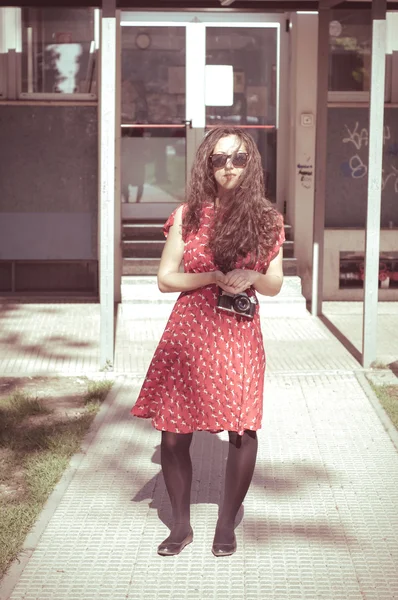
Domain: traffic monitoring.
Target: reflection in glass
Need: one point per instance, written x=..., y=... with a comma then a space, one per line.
x=352, y=270
x=153, y=75
x=153, y=114
x=252, y=53
x=58, y=50
x=350, y=36
x=153, y=165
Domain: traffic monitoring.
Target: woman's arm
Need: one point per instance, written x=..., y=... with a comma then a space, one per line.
x=169, y=277
x=268, y=284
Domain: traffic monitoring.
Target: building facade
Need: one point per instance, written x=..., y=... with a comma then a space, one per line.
x=177, y=74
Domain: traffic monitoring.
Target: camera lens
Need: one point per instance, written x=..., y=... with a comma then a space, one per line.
x=241, y=303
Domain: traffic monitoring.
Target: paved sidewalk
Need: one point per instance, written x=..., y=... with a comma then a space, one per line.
x=320, y=520
x=61, y=337
x=348, y=317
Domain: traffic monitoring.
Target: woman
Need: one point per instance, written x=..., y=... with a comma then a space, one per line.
x=207, y=372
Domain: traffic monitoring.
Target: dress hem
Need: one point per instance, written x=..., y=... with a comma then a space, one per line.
x=239, y=432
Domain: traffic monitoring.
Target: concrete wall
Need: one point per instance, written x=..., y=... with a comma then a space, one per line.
x=46, y=236
x=303, y=72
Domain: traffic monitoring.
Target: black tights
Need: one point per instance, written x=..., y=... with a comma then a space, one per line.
x=177, y=473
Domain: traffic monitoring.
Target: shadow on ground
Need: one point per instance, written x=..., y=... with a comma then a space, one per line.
x=9, y=309
x=339, y=335
x=209, y=454
x=32, y=343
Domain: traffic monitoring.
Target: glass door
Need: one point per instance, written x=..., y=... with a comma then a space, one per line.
x=242, y=84
x=182, y=74
x=153, y=140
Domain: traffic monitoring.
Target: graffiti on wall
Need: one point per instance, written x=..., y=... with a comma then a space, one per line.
x=356, y=167
x=305, y=172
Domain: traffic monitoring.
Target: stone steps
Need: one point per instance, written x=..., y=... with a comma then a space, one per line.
x=143, y=292
x=149, y=266
x=143, y=242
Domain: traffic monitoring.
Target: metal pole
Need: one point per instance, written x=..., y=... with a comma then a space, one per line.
x=107, y=181
x=320, y=161
x=372, y=232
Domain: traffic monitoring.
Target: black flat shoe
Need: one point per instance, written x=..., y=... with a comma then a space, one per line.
x=173, y=548
x=224, y=549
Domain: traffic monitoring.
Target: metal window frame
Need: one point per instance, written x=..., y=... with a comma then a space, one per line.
x=215, y=19
x=10, y=52
x=3, y=76
x=391, y=83
x=62, y=96
x=346, y=96
x=394, y=77
x=76, y=97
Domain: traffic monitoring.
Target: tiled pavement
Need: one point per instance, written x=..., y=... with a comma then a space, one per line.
x=320, y=520
x=48, y=337
x=64, y=338
x=347, y=317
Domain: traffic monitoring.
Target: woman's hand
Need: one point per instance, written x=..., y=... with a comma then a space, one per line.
x=219, y=279
x=237, y=281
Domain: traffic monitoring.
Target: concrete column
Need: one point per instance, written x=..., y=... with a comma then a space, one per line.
x=372, y=232
x=118, y=142
x=303, y=89
x=107, y=113
x=321, y=160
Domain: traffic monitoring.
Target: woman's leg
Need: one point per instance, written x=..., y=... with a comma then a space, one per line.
x=177, y=473
x=241, y=461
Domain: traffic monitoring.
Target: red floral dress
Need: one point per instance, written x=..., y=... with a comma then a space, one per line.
x=207, y=372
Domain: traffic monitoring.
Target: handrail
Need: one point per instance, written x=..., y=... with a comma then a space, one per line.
x=153, y=126
x=242, y=126
x=183, y=126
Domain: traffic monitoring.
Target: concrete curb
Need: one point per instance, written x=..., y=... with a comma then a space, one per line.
x=14, y=572
x=381, y=413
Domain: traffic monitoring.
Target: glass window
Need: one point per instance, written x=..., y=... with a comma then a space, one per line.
x=350, y=36
x=59, y=48
x=153, y=75
x=352, y=270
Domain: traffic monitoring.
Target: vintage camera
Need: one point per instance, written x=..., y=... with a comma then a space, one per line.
x=240, y=304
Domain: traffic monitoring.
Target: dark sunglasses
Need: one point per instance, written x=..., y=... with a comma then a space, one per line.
x=238, y=159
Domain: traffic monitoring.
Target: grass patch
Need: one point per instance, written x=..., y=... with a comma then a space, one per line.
x=378, y=364
x=97, y=391
x=388, y=398
x=21, y=405
x=35, y=448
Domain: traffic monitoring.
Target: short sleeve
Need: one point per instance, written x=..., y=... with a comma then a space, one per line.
x=275, y=251
x=169, y=223
x=279, y=241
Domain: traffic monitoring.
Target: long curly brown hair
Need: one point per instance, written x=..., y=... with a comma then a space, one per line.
x=246, y=224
